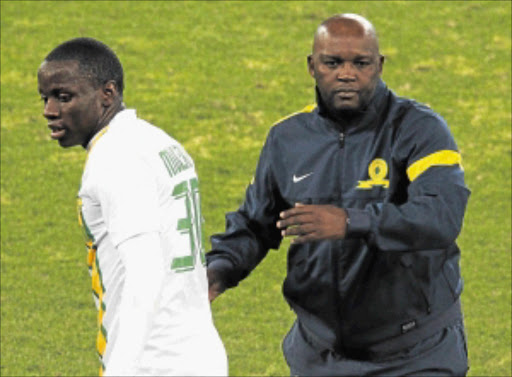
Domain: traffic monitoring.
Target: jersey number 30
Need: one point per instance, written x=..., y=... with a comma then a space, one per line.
x=190, y=225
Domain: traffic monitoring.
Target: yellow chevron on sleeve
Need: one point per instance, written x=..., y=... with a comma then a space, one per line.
x=101, y=312
x=91, y=254
x=101, y=342
x=440, y=158
x=79, y=210
x=96, y=282
x=307, y=109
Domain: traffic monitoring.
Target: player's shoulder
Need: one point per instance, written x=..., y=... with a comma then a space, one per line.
x=134, y=132
x=152, y=141
x=130, y=137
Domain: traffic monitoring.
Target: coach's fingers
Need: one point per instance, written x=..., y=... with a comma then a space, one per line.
x=305, y=238
x=299, y=230
x=294, y=211
x=299, y=218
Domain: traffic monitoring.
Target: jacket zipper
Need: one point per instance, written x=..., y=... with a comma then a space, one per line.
x=341, y=139
x=335, y=253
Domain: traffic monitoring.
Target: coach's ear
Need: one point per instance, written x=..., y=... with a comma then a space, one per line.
x=382, y=58
x=109, y=93
x=311, y=66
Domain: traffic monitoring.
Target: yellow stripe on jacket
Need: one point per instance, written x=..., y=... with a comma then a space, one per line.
x=440, y=158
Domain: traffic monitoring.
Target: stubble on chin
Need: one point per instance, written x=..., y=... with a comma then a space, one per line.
x=346, y=111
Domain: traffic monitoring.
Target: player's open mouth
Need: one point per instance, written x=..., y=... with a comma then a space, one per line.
x=57, y=132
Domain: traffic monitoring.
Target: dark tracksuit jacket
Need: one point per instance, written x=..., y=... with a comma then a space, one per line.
x=391, y=282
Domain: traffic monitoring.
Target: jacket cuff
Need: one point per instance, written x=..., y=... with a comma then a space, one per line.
x=358, y=223
x=223, y=268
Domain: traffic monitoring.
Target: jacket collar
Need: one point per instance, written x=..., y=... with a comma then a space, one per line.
x=366, y=118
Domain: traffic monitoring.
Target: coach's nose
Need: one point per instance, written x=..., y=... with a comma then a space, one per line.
x=346, y=72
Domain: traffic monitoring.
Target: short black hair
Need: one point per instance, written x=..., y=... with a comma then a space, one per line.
x=95, y=59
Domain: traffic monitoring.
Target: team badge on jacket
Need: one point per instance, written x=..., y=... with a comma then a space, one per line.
x=377, y=171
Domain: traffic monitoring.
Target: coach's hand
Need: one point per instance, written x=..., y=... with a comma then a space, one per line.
x=313, y=223
x=215, y=284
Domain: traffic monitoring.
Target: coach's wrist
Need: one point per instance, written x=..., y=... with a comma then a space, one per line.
x=216, y=285
x=358, y=223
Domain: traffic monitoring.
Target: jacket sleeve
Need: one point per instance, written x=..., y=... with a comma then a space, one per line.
x=428, y=167
x=251, y=231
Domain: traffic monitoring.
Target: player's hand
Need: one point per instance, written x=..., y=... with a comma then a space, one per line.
x=313, y=223
x=215, y=284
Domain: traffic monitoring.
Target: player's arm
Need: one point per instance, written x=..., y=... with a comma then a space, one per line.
x=144, y=276
x=128, y=197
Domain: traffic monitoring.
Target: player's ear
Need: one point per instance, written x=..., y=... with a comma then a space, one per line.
x=109, y=93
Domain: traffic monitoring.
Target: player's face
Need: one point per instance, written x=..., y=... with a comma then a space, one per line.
x=72, y=105
x=346, y=70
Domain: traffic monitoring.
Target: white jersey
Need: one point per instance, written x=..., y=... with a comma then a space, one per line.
x=138, y=179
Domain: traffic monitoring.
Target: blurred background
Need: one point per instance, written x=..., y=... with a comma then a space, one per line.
x=216, y=75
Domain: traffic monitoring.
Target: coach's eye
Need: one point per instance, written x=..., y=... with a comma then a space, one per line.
x=361, y=63
x=331, y=63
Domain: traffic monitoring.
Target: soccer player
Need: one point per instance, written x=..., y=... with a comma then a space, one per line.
x=139, y=208
x=371, y=189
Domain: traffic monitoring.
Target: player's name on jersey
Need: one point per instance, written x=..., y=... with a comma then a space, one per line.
x=175, y=160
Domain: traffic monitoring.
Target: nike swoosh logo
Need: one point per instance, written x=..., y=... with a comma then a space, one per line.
x=298, y=179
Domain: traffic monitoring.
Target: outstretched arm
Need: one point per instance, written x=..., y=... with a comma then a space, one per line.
x=250, y=231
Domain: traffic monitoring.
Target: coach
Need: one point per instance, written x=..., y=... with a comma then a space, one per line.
x=371, y=188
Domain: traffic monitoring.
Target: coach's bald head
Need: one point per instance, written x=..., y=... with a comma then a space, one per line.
x=346, y=25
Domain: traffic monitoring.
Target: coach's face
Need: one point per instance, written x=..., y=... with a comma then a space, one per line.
x=73, y=105
x=346, y=66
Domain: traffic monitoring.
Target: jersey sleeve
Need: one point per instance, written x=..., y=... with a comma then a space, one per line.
x=127, y=193
x=251, y=230
x=428, y=208
x=144, y=277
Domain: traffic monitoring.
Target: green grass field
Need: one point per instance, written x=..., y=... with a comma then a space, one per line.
x=216, y=75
